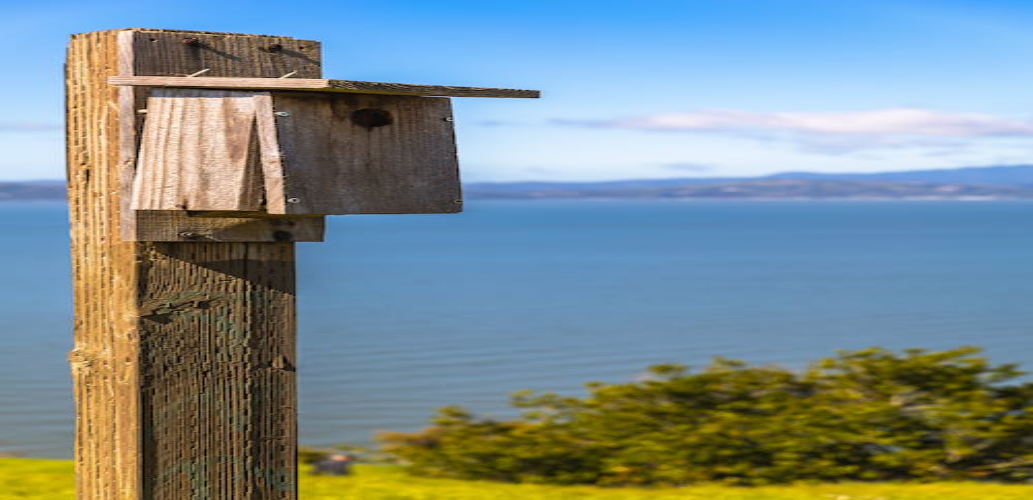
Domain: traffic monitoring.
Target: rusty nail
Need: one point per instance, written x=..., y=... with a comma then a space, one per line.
x=191, y=41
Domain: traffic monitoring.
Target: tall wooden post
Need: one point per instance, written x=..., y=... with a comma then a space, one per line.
x=184, y=351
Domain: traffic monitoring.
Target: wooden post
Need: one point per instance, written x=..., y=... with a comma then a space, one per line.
x=183, y=231
x=184, y=351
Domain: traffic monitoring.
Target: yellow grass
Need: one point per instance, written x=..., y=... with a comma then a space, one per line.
x=52, y=480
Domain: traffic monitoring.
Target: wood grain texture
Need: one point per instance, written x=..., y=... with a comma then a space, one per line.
x=362, y=154
x=323, y=85
x=196, y=152
x=105, y=356
x=217, y=355
x=184, y=352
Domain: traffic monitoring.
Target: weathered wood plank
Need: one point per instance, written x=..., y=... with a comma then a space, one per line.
x=195, y=153
x=323, y=85
x=362, y=154
x=184, y=352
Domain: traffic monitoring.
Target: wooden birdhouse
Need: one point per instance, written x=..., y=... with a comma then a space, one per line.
x=270, y=156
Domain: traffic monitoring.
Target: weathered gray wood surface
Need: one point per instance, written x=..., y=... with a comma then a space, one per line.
x=362, y=154
x=184, y=352
x=322, y=85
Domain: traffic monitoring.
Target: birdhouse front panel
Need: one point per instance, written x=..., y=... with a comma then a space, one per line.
x=361, y=154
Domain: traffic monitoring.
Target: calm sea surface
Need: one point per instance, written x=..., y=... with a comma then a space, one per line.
x=403, y=314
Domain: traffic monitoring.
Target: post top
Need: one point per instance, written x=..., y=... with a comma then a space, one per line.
x=320, y=85
x=181, y=32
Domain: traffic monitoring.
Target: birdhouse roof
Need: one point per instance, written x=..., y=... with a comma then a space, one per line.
x=320, y=85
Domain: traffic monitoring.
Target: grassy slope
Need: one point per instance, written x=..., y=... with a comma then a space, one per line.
x=52, y=480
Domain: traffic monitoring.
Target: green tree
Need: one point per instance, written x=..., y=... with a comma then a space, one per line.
x=872, y=414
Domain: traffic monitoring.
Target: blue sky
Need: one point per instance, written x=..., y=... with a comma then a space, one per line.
x=633, y=89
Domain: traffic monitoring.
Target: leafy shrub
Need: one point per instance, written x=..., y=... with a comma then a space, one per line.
x=870, y=415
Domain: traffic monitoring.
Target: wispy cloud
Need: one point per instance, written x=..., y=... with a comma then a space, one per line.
x=893, y=121
x=832, y=132
x=28, y=127
x=688, y=167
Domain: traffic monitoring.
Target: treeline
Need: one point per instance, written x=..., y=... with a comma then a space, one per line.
x=869, y=415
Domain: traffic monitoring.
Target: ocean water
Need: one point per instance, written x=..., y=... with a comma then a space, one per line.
x=403, y=314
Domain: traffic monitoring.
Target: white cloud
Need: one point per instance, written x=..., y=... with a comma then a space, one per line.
x=880, y=122
x=834, y=133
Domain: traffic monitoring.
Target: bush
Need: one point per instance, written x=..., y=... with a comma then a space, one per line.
x=864, y=415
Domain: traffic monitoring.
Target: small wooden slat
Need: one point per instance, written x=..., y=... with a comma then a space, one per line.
x=360, y=154
x=322, y=85
x=227, y=227
x=196, y=152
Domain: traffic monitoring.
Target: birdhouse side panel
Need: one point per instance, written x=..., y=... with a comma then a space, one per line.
x=364, y=154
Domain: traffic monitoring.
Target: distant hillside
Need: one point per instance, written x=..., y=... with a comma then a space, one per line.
x=1008, y=175
x=781, y=189
x=1004, y=176
x=1013, y=181
x=32, y=190
x=997, y=182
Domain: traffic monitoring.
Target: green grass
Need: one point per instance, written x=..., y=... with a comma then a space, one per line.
x=52, y=480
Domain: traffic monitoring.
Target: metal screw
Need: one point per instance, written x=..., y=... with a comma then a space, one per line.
x=450, y=119
x=189, y=234
x=282, y=113
x=293, y=200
